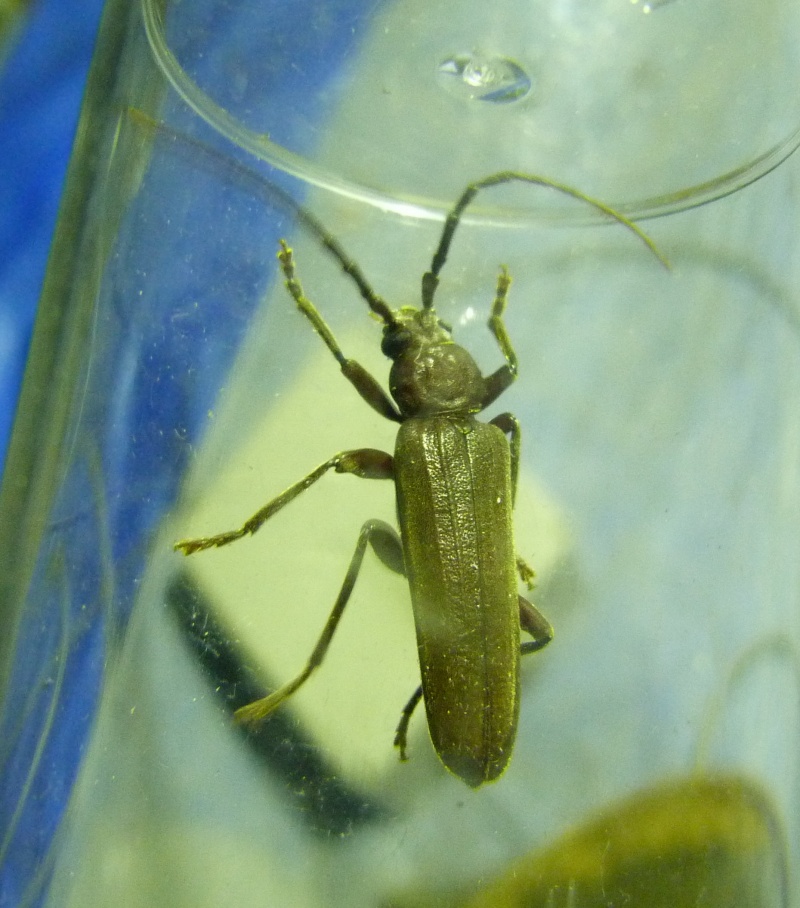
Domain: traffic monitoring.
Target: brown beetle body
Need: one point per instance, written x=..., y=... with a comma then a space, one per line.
x=454, y=505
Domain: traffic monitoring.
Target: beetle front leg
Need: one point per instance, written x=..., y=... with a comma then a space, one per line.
x=498, y=381
x=386, y=544
x=366, y=385
x=533, y=622
x=367, y=463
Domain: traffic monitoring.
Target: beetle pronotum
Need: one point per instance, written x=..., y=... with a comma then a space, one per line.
x=455, y=480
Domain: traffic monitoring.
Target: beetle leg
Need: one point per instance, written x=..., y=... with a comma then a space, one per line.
x=389, y=549
x=533, y=622
x=401, y=735
x=498, y=381
x=382, y=537
x=366, y=384
x=509, y=424
x=497, y=325
x=526, y=572
x=367, y=463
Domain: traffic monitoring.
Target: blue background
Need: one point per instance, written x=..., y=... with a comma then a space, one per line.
x=41, y=85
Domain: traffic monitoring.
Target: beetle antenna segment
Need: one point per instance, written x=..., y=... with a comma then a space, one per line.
x=350, y=268
x=430, y=279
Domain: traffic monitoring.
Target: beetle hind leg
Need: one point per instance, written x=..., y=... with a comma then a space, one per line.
x=401, y=735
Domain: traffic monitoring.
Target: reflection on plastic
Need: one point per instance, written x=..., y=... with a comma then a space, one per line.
x=681, y=64
x=651, y=5
x=475, y=78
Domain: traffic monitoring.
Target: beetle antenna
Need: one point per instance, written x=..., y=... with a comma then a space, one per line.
x=376, y=303
x=430, y=279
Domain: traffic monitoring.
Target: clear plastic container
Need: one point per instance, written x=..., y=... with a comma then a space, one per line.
x=173, y=389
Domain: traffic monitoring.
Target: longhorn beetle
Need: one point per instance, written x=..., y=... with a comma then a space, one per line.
x=455, y=480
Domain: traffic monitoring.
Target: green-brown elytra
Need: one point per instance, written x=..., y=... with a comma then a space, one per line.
x=455, y=480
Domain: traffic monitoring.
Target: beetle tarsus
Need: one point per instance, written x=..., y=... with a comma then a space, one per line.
x=526, y=573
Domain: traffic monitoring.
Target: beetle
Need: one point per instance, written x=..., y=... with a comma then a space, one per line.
x=455, y=480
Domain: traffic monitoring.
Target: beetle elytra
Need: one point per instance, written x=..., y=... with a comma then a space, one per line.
x=455, y=480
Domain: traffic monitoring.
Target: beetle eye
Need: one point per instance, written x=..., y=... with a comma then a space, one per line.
x=395, y=341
